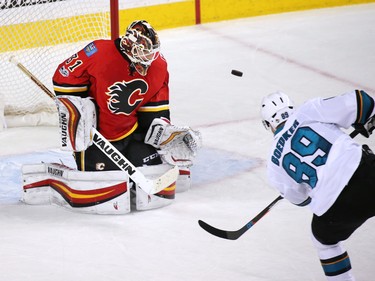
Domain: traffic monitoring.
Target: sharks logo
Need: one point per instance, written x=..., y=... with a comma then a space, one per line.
x=124, y=97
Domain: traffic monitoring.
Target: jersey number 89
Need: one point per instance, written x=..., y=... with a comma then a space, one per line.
x=306, y=142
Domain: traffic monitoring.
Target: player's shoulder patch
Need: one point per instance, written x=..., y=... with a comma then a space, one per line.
x=90, y=49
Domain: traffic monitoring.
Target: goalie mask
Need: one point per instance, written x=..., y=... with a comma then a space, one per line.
x=276, y=109
x=141, y=45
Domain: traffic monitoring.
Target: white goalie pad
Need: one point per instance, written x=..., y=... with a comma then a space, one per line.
x=183, y=182
x=178, y=145
x=76, y=116
x=104, y=192
x=145, y=201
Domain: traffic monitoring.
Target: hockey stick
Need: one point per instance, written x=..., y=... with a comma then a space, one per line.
x=235, y=234
x=148, y=185
x=13, y=60
x=353, y=134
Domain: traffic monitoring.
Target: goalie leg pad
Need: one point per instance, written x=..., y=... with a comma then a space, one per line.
x=86, y=192
x=183, y=182
x=34, y=175
x=145, y=201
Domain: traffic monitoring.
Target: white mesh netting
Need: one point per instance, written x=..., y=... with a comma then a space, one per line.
x=41, y=34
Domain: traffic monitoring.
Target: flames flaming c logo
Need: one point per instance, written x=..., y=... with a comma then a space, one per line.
x=124, y=97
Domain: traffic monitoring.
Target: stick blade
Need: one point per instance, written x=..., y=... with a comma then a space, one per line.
x=167, y=179
x=225, y=234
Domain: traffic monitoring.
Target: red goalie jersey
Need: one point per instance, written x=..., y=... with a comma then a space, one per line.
x=125, y=99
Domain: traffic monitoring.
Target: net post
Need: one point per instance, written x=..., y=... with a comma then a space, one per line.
x=114, y=19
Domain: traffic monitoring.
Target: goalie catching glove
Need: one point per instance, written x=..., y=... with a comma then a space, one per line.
x=178, y=145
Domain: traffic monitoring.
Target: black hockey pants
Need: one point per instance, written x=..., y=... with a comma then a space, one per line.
x=353, y=207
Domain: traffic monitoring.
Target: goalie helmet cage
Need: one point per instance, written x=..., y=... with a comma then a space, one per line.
x=40, y=34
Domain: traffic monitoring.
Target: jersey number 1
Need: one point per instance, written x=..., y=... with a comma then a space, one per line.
x=306, y=142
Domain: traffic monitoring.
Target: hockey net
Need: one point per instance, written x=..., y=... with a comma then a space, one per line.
x=41, y=34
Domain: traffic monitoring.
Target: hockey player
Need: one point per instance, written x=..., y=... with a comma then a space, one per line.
x=313, y=162
x=121, y=87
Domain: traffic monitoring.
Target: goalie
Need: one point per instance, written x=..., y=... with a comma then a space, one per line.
x=121, y=88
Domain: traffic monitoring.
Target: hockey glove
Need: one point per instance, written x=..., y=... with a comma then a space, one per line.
x=367, y=128
x=77, y=116
x=178, y=145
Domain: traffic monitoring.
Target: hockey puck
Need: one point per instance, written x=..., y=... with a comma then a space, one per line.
x=237, y=73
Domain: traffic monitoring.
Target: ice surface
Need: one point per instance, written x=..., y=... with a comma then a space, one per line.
x=321, y=52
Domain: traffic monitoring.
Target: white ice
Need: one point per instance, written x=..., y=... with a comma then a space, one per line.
x=321, y=52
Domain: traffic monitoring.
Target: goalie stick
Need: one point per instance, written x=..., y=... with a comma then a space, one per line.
x=235, y=234
x=147, y=185
x=150, y=186
x=13, y=60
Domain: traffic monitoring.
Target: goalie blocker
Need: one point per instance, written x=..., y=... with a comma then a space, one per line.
x=105, y=192
x=77, y=116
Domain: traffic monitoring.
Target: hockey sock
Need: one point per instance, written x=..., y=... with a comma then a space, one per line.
x=336, y=265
